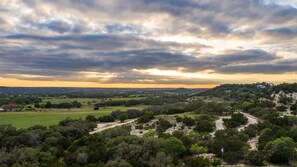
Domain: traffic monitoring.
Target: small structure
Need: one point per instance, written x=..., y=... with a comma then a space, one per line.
x=63, y=97
x=261, y=86
x=10, y=107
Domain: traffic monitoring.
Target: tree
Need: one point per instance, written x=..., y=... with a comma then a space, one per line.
x=255, y=158
x=117, y=163
x=197, y=162
x=188, y=121
x=48, y=105
x=196, y=149
x=233, y=142
x=37, y=105
x=106, y=118
x=161, y=160
x=116, y=113
x=281, y=150
x=147, y=117
x=122, y=117
x=235, y=120
x=91, y=118
x=204, y=126
x=134, y=113
x=175, y=146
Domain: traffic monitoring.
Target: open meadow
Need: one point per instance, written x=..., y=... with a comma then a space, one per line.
x=49, y=117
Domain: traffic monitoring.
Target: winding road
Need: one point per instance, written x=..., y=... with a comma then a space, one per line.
x=251, y=120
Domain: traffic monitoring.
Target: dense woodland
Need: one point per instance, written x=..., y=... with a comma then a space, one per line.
x=70, y=143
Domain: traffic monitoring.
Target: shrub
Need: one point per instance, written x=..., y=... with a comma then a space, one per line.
x=204, y=126
x=196, y=162
x=122, y=117
x=163, y=125
x=188, y=121
x=91, y=118
x=147, y=117
x=108, y=118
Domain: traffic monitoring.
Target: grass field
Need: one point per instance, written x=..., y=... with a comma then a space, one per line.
x=52, y=117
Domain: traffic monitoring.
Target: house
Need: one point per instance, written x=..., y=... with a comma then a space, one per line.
x=261, y=86
x=10, y=107
x=63, y=97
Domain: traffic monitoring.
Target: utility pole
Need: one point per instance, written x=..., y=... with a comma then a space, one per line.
x=222, y=151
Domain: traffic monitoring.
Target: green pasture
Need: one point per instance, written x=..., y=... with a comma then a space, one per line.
x=53, y=116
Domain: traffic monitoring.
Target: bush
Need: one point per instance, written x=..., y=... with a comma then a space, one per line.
x=147, y=117
x=255, y=158
x=134, y=113
x=106, y=119
x=91, y=118
x=116, y=113
x=204, y=126
x=232, y=157
x=163, y=125
x=188, y=121
x=281, y=150
x=196, y=162
x=122, y=117
x=236, y=120
x=281, y=108
x=178, y=119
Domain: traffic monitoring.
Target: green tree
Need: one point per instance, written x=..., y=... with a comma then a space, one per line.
x=281, y=150
x=196, y=149
x=175, y=146
x=204, y=126
x=256, y=158
x=91, y=118
x=161, y=160
x=122, y=117
x=48, y=105
x=117, y=163
x=197, y=162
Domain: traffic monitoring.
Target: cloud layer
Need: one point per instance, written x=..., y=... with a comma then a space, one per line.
x=197, y=42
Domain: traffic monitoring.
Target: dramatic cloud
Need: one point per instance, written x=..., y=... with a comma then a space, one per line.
x=170, y=42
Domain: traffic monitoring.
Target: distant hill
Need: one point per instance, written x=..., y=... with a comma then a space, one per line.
x=285, y=87
x=45, y=90
x=238, y=91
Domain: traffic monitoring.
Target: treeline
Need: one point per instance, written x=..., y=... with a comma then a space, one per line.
x=285, y=87
x=117, y=114
x=39, y=145
x=74, y=104
x=20, y=100
x=239, y=92
x=146, y=101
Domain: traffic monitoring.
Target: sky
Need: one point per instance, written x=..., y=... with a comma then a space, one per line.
x=147, y=43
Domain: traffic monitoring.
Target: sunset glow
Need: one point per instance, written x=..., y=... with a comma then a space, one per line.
x=147, y=44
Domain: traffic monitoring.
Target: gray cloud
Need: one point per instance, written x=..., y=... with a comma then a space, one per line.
x=118, y=54
x=60, y=38
x=271, y=68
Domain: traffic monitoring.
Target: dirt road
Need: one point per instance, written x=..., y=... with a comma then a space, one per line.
x=104, y=126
